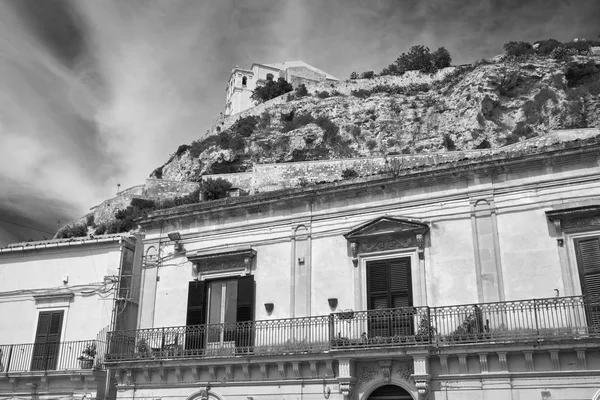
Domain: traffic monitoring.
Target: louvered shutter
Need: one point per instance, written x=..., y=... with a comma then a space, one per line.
x=196, y=315
x=588, y=261
x=400, y=283
x=47, y=339
x=245, y=312
x=401, y=297
x=377, y=285
x=389, y=287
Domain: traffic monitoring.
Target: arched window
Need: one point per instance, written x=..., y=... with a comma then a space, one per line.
x=244, y=80
x=269, y=77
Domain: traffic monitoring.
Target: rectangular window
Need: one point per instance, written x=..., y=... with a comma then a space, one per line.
x=588, y=263
x=47, y=339
x=389, y=289
x=218, y=314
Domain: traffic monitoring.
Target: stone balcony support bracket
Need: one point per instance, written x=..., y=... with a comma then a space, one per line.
x=346, y=376
x=421, y=375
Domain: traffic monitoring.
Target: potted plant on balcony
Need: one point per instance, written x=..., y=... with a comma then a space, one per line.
x=425, y=331
x=86, y=359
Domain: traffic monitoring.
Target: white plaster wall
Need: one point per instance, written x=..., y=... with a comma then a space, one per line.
x=530, y=263
x=332, y=275
x=450, y=263
x=170, y=306
x=272, y=276
x=42, y=271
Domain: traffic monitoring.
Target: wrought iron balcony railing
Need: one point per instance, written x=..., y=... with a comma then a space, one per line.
x=564, y=318
x=52, y=356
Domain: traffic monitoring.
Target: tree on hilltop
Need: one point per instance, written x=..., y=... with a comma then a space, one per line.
x=419, y=58
x=271, y=90
x=441, y=58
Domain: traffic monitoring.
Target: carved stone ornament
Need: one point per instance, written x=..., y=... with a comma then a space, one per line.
x=346, y=388
x=222, y=265
x=422, y=388
x=383, y=243
x=367, y=374
x=419, y=238
x=386, y=369
x=354, y=252
x=405, y=371
x=386, y=233
x=582, y=222
x=217, y=260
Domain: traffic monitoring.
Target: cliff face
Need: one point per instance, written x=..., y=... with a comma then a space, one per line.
x=484, y=106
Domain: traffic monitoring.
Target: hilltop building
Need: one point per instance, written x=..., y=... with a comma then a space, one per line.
x=243, y=81
x=467, y=277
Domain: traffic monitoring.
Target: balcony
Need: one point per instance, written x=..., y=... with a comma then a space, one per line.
x=53, y=356
x=501, y=324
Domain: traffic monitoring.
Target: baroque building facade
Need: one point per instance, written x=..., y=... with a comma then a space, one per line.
x=472, y=279
x=243, y=81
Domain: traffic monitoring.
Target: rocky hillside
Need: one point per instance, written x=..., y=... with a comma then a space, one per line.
x=487, y=105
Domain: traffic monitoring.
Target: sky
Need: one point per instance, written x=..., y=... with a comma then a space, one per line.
x=96, y=93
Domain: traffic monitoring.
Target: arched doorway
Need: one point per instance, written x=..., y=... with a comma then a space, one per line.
x=390, y=392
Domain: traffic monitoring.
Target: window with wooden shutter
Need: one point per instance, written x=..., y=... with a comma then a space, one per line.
x=245, y=313
x=47, y=339
x=223, y=310
x=196, y=315
x=588, y=262
x=389, y=289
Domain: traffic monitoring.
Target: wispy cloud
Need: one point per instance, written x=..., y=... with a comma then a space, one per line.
x=99, y=92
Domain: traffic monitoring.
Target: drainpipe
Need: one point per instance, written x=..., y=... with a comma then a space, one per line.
x=158, y=263
x=113, y=320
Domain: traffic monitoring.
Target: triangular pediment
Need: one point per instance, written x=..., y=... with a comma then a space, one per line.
x=387, y=225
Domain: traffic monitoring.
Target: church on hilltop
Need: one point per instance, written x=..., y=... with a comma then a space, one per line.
x=243, y=81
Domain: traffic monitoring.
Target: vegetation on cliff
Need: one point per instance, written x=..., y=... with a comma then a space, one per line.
x=528, y=91
x=415, y=105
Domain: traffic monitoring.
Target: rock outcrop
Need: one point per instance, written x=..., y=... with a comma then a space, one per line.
x=488, y=105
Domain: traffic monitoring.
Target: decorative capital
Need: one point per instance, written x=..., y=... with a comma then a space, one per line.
x=354, y=252
x=419, y=237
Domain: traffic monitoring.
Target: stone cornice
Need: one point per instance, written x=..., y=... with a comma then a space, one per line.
x=426, y=175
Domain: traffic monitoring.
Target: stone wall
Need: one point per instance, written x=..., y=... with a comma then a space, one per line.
x=241, y=180
x=167, y=189
x=408, y=78
x=267, y=177
x=132, y=191
x=153, y=189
